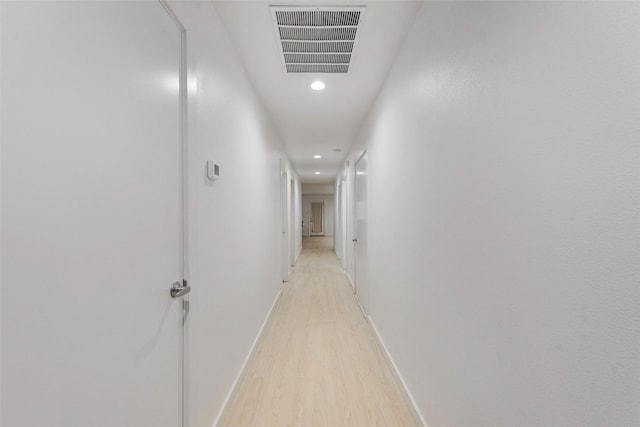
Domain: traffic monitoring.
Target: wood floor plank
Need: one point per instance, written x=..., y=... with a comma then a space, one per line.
x=318, y=362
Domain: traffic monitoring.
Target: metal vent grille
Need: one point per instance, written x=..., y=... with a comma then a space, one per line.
x=317, y=68
x=297, y=58
x=318, y=18
x=316, y=39
x=307, y=47
x=316, y=34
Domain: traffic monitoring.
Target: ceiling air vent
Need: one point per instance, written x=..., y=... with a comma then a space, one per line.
x=316, y=39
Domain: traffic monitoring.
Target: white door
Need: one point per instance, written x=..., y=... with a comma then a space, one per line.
x=338, y=222
x=91, y=215
x=291, y=225
x=284, y=211
x=362, y=259
x=343, y=221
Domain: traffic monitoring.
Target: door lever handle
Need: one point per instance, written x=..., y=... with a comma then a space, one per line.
x=354, y=240
x=178, y=290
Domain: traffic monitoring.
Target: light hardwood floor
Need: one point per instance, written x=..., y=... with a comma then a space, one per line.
x=318, y=362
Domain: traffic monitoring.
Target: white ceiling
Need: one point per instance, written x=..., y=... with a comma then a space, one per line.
x=313, y=122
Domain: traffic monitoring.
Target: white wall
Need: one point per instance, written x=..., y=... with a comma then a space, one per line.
x=504, y=155
x=328, y=212
x=235, y=230
x=229, y=125
x=234, y=223
x=317, y=188
x=1, y=274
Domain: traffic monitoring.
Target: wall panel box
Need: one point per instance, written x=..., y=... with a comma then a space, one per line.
x=213, y=170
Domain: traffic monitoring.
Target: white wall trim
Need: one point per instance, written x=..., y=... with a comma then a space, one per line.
x=364, y=313
x=243, y=369
x=417, y=416
x=350, y=281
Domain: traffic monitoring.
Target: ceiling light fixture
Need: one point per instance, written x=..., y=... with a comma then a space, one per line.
x=317, y=173
x=317, y=85
x=317, y=156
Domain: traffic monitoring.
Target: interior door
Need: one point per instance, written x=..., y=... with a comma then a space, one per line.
x=284, y=211
x=291, y=225
x=343, y=222
x=361, y=258
x=91, y=215
x=338, y=222
x=316, y=223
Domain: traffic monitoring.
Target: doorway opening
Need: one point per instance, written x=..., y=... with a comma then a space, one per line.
x=316, y=221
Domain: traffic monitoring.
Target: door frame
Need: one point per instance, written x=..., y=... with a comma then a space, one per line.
x=323, y=232
x=184, y=212
x=360, y=283
x=341, y=220
x=337, y=223
x=291, y=225
x=284, y=221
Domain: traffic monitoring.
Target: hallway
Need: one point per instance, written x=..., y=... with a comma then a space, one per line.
x=473, y=164
x=318, y=363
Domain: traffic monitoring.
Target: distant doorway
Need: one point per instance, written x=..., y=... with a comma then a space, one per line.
x=316, y=222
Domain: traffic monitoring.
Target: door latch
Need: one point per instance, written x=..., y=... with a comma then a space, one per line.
x=179, y=289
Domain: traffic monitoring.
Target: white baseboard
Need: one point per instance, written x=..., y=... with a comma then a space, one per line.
x=243, y=368
x=417, y=416
x=350, y=281
x=364, y=313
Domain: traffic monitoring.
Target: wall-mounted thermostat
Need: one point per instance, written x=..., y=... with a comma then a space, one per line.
x=213, y=170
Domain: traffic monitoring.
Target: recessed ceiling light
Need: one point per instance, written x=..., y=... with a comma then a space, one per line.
x=317, y=156
x=317, y=173
x=317, y=85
